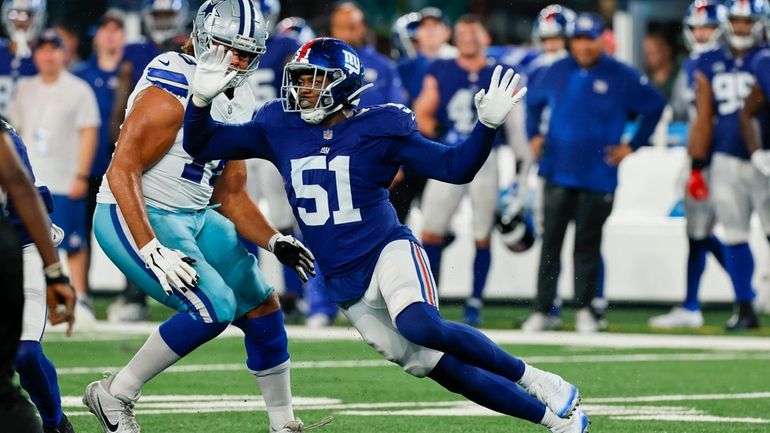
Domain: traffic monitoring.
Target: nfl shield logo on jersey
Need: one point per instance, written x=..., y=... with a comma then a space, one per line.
x=328, y=134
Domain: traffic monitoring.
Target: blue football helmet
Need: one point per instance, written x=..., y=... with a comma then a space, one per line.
x=704, y=13
x=270, y=9
x=295, y=28
x=756, y=11
x=165, y=19
x=402, y=36
x=337, y=72
x=233, y=23
x=26, y=16
x=514, y=220
x=553, y=21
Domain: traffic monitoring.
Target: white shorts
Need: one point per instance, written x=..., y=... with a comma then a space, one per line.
x=738, y=189
x=401, y=277
x=35, y=308
x=265, y=182
x=440, y=201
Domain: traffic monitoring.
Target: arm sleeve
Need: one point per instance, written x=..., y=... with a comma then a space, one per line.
x=536, y=101
x=454, y=164
x=242, y=141
x=644, y=99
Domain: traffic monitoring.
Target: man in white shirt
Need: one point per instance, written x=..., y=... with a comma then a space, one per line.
x=57, y=116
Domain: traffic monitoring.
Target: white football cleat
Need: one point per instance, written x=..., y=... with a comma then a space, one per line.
x=297, y=426
x=537, y=322
x=115, y=413
x=587, y=323
x=678, y=317
x=577, y=423
x=550, y=389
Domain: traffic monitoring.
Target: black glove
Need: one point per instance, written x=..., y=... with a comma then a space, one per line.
x=293, y=254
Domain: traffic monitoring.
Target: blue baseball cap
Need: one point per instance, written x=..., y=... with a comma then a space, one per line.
x=49, y=36
x=587, y=24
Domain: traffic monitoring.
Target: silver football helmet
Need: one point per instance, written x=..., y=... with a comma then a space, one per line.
x=236, y=24
x=25, y=16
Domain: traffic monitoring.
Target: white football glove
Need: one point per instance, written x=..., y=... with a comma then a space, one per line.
x=494, y=105
x=172, y=267
x=293, y=254
x=761, y=160
x=211, y=77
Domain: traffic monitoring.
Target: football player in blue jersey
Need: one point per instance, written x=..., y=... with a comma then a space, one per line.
x=337, y=177
x=296, y=28
x=445, y=110
x=33, y=279
x=22, y=20
x=702, y=27
x=37, y=374
x=171, y=224
x=723, y=79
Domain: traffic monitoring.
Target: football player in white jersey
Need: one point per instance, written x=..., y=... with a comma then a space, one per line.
x=169, y=222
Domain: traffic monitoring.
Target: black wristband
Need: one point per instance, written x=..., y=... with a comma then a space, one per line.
x=698, y=164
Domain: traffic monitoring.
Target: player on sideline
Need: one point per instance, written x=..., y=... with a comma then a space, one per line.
x=337, y=178
x=37, y=374
x=723, y=79
x=445, y=109
x=169, y=221
x=702, y=27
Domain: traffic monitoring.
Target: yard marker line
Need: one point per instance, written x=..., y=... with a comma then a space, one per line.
x=565, y=359
x=680, y=397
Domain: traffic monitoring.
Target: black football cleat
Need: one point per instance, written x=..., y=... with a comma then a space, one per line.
x=63, y=427
x=742, y=322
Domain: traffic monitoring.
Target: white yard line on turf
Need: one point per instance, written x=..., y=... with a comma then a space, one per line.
x=569, y=359
x=184, y=404
x=104, y=330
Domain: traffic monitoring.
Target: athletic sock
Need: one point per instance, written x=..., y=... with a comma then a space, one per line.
x=696, y=264
x=487, y=389
x=740, y=267
x=175, y=338
x=421, y=324
x=37, y=375
x=481, y=264
x=268, y=359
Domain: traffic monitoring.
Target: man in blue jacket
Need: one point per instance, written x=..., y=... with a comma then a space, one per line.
x=590, y=96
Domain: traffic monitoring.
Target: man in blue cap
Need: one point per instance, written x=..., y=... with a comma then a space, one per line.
x=580, y=153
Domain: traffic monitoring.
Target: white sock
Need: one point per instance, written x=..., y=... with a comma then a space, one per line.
x=530, y=373
x=275, y=384
x=154, y=357
x=550, y=419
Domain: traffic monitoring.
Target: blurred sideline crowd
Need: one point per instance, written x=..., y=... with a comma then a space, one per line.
x=568, y=139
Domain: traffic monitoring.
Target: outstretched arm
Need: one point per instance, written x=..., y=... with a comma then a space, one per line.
x=459, y=164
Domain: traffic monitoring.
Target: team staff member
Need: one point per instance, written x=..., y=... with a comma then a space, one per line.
x=580, y=154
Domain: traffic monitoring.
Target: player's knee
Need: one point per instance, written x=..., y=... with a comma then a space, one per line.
x=421, y=324
x=28, y=355
x=417, y=365
x=266, y=342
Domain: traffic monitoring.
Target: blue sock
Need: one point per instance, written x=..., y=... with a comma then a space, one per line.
x=717, y=249
x=487, y=389
x=696, y=264
x=265, y=340
x=480, y=271
x=421, y=324
x=37, y=376
x=740, y=267
x=434, y=259
x=183, y=333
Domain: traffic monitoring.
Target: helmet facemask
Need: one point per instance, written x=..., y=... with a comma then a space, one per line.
x=23, y=22
x=323, y=81
x=744, y=42
x=164, y=24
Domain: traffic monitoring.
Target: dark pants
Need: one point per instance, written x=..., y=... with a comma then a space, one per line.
x=404, y=193
x=16, y=413
x=589, y=210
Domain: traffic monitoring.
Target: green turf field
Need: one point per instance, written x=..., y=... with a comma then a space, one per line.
x=625, y=390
